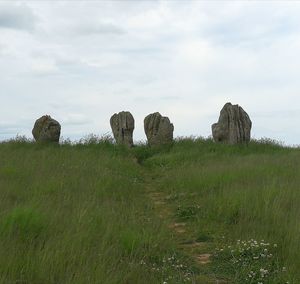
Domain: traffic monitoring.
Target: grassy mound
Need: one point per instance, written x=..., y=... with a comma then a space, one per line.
x=82, y=214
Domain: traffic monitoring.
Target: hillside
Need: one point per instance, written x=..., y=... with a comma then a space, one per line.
x=195, y=212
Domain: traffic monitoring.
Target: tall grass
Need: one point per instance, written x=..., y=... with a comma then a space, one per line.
x=229, y=193
x=77, y=214
x=80, y=213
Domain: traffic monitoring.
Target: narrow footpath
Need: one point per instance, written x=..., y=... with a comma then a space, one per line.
x=196, y=250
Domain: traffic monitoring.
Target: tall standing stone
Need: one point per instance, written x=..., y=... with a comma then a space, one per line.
x=233, y=126
x=46, y=129
x=122, y=125
x=158, y=129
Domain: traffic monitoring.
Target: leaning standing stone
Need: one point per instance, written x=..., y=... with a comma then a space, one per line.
x=122, y=125
x=46, y=129
x=233, y=126
x=158, y=129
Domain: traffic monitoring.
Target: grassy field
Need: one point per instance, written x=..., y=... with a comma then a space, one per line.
x=194, y=212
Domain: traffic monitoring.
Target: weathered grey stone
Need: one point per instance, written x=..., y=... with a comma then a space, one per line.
x=122, y=125
x=158, y=129
x=46, y=129
x=233, y=126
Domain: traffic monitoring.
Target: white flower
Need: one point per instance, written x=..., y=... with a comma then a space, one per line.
x=263, y=272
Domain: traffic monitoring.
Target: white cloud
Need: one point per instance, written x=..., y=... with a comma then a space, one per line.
x=44, y=66
x=16, y=16
x=197, y=52
x=83, y=61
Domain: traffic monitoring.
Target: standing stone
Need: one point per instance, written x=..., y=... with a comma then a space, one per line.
x=122, y=125
x=233, y=126
x=46, y=129
x=158, y=129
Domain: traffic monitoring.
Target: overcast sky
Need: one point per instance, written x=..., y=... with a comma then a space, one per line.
x=82, y=61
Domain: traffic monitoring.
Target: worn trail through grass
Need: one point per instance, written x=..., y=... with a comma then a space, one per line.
x=194, y=212
x=198, y=251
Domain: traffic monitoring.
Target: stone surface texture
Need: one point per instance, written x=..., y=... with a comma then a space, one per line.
x=233, y=126
x=158, y=129
x=46, y=129
x=122, y=125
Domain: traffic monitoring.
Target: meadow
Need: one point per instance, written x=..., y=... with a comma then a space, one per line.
x=191, y=212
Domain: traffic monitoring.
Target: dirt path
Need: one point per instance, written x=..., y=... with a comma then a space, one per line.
x=198, y=251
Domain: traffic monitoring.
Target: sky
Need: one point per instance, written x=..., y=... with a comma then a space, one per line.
x=83, y=61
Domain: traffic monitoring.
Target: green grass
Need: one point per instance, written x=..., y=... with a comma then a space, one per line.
x=82, y=214
x=236, y=192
